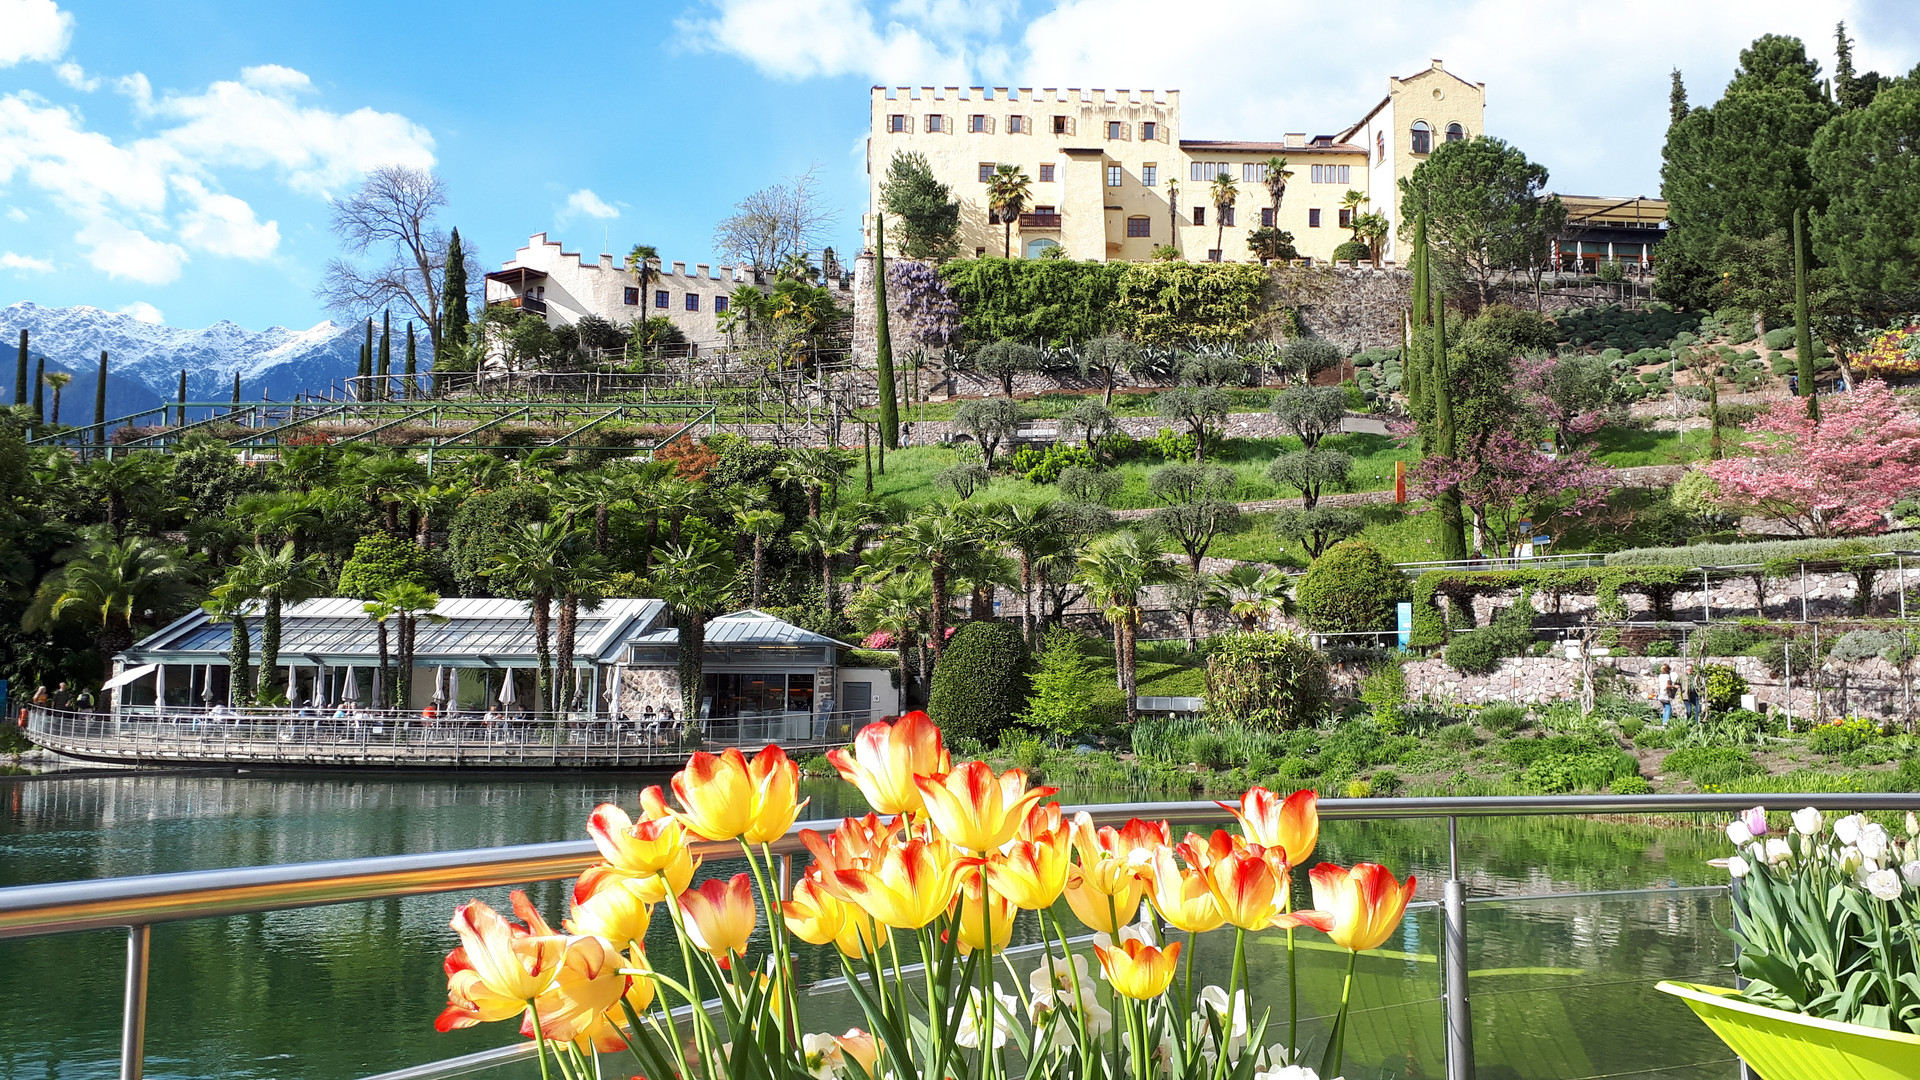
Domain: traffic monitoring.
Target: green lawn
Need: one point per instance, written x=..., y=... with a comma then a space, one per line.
x=1056, y=404
x=1624, y=447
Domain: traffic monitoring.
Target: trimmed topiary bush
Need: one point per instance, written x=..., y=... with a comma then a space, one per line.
x=380, y=561
x=1353, y=251
x=981, y=683
x=1267, y=679
x=1351, y=588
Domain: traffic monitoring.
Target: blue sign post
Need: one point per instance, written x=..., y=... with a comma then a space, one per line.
x=1403, y=616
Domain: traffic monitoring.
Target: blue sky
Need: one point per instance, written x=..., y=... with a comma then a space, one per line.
x=176, y=160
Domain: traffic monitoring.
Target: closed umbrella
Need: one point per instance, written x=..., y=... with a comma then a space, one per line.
x=506, y=687
x=206, y=687
x=440, y=685
x=322, y=685
x=160, y=688
x=350, y=691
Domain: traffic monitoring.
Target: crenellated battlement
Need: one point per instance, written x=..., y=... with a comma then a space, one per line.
x=551, y=250
x=1024, y=94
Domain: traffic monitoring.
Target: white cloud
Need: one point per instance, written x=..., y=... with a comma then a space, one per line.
x=121, y=251
x=585, y=202
x=798, y=39
x=14, y=213
x=143, y=311
x=35, y=30
x=24, y=264
x=223, y=225
x=75, y=76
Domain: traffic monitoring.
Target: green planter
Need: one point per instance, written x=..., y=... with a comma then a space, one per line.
x=1789, y=1046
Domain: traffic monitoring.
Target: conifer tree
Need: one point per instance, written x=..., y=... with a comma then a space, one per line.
x=386, y=355
x=1417, y=367
x=20, y=373
x=412, y=370
x=236, y=388
x=100, y=403
x=39, y=391
x=183, y=396
x=452, y=330
x=1676, y=100
x=1845, y=90
x=883, y=337
x=1450, y=543
x=1802, y=325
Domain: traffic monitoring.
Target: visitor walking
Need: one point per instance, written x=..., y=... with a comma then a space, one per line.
x=1663, y=691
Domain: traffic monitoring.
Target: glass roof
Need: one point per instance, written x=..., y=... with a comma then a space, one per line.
x=340, y=636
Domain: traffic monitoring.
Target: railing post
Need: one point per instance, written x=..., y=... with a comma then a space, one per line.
x=1459, y=1010
x=133, y=1023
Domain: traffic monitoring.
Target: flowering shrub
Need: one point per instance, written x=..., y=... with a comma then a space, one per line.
x=943, y=867
x=1828, y=923
x=1893, y=353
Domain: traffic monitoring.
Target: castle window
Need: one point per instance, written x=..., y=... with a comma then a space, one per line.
x=1115, y=176
x=986, y=172
x=1313, y=219
x=693, y=301
x=1016, y=125
x=1266, y=217
x=632, y=297
x=1139, y=226
x=1253, y=172
x=897, y=123
x=1422, y=137
x=1046, y=174
x=719, y=305
x=1455, y=133
x=1380, y=144
x=1330, y=174
x=936, y=124
x=1116, y=130
x=978, y=123
x=1226, y=216
x=660, y=299
x=1149, y=175
x=1199, y=215
x=1063, y=125
x=1346, y=218
x=1149, y=131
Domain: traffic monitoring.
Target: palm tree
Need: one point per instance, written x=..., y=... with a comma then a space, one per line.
x=643, y=262
x=124, y=484
x=1033, y=534
x=383, y=480
x=1252, y=593
x=1351, y=203
x=109, y=583
x=932, y=539
x=280, y=515
x=1223, y=192
x=529, y=565
x=280, y=577
x=408, y=602
x=1007, y=193
x=1173, y=216
x=1276, y=180
x=1372, y=229
x=828, y=536
x=762, y=526
x=229, y=603
x=899, y=606
x=379, y=611
x=1117, y=569
x=814, y=471
x=582, y=585
x=696, y=580
x=56, y=381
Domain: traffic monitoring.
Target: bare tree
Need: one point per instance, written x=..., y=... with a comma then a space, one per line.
x=774, y=224
x=390, y=218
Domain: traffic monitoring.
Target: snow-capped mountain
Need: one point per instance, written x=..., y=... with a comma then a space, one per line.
x=145, y=359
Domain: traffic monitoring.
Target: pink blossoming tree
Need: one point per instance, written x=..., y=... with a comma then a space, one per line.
x=1504, y=479
x=1834, y=476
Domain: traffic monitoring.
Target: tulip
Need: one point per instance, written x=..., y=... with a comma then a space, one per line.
x=1103, y=895
x=1738, y=833
x=609, y=905
x=854, y=845
x=587, y=984
x=776, y=805
x=908, y=887
x=885, y=758
x=1246, y=887
x=1182, y=897
x=981, y=910
x=1847, y=829
x=510, y=961
x=1292, y=825
x=1777, y=851
x=1201, y=852
x=470, y=1000
x=859, y=1047
x=1358, y=908
x=644, y=847
x=1884, y=884
x=1755, y=820
x=717, y=792
x=1873, y=841
x=977, y=810
x=1133, y=843
x=1138, y=970
x=1806, y=821
x=1032, y=873
x=1044, y=819
x=814, y=915
x=720, y=916
x=640, y=980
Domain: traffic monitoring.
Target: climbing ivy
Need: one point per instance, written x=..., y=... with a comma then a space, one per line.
x=1607, y=584
x=1181, y=303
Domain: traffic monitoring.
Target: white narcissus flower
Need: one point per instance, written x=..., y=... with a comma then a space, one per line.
x=1288, y=1072
x=822, y=1052
x=1847, y=829
x=974, y=1010
x=1884, y=884
x=1913, y=824
x=1213, y=1002
x=1873, y=841
x=1806, y=822
x=1777, y=851
x=1738, y=867
x=1738, y=832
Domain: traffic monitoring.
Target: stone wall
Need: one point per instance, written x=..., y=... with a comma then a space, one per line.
x=1870, y=687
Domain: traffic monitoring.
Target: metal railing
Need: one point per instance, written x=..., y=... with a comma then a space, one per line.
x=303, y=737
x=137, y=903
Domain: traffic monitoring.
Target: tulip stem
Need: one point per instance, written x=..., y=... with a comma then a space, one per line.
x=1233, y=988
x=539, y=1040
x=1339, y=1046
x=1293, y=1000
x=987, y=1002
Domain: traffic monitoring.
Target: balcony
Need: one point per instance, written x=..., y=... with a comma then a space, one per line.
x=1039, y=221
x=524, y=303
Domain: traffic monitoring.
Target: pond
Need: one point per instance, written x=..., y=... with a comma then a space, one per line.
x=1561, y=988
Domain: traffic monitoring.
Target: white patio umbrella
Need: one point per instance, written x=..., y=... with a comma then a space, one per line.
x=453, y=687
x=350, y=690
x=160, y=688
x=293, y=686
x=206, y=686
x=322, y=685
x=440, y=685
x=506, y=687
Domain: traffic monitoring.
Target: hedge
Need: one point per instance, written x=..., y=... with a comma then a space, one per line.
x=1350, y=589
x=1607, y=584
x=981, y=681
x=1765, y=551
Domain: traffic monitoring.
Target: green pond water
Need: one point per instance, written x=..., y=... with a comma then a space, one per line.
x=1562, y=989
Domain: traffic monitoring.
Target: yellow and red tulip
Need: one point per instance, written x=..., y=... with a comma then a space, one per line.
x=859, y=1047
x=885, y=758
x=979, y=911
x=610, y=905
x=907, y=887
x=977, y=810
x=641, y=847
x=510, y=961
x=1138, y=970
x=1246, y=887
x=1033, y=872
x=587, y=984
x=1291, y=825
x=855, y=844
x=814, y=915
x=716, y=791
x=1182, y=897
x=1358, y=908
x=720, y=916
x=776, y=805
x=1104, y=896
x=470, y=1000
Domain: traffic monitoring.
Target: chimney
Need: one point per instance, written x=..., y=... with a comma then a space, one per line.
x=1438, y=65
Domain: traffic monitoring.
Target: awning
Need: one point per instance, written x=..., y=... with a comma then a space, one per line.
x=130, y=675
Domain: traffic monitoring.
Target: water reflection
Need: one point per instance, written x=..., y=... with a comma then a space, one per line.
x=349, y=990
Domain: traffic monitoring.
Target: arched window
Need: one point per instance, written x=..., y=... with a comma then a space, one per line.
x=1037, y=249
x=1422, y=137
x=1455, y=133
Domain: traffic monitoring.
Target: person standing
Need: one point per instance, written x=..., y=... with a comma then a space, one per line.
x=1663, y=690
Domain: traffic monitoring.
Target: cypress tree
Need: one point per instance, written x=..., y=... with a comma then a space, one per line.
x=39, y=391
x=412, y=369
x=183, y=396
x=236, y=388
x=386, y=355
x=452, y=330
x=1843, y=79
x=20, y=373
x=1416, y=364
x=100, y=403
x=1676, y=100
x=1451, y=542
x=883, y=338
x=1802, y=325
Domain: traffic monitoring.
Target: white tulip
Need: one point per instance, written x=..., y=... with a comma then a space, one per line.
x=1911, y=872
x=1738, y=832
x=1777, y=851
x=1738, y=867
x=1847, y=829
x=1913, y=824
x=1884, y=884
x=1874, y=841
x=1806, y=822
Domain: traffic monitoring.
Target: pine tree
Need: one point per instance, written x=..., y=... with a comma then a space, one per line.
x=452, y=329
x=100, y=403
x=883, y=337
x=20, y=373
x=386, y=356
x=1676, y=100
x=412, y=370
x=39, y=391
x=1802, y=324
